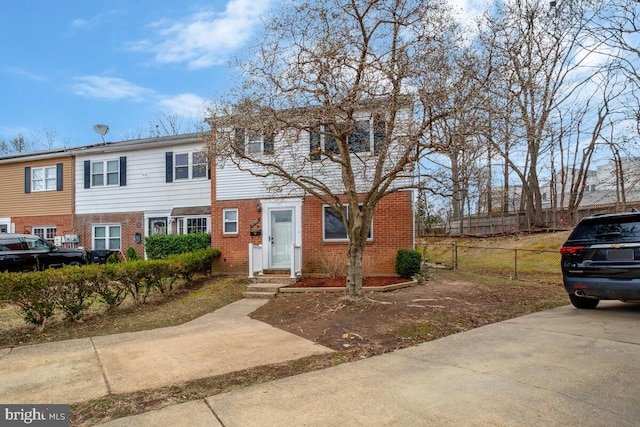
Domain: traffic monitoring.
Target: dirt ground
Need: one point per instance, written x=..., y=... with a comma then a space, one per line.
x=387, y=321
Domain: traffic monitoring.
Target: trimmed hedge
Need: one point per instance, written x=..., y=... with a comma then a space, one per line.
x=408, y=263
x=161, y=246
x=72, y=289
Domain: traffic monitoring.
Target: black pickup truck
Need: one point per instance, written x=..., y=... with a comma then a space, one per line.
x=26, y=252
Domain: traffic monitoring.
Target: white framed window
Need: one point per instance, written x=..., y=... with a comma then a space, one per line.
x=44, y=179
x=362, y=139
x=188, y=225
x=230, y=221
x=107, y=236
x=105, y=173
x=45, y=233
x=190, y=165
x=253, y=142
x=333, y=227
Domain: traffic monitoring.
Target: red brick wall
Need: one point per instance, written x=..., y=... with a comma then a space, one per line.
x=130, y=224
x=392, y=230
x=64, y=223
x=234, y=248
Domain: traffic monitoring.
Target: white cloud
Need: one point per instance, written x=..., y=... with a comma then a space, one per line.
x=207, y=37
x=184, y=104
x=22, y=72
x=110, y=88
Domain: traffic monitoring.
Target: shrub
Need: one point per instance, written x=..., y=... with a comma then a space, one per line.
x=132, y=255
x=188, y=264
x=408, y=263
x=160, y=246
x=109, y=289
x=74, y=288
x=113, y=258
x=33, y=296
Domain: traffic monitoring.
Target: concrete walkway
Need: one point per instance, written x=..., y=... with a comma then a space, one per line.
x=72, y=371
x=562, y=367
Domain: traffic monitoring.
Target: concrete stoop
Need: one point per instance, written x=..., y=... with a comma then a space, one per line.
x=266, y=286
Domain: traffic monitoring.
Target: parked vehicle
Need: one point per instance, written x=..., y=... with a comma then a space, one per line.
x=26, y=252
x=601, y=260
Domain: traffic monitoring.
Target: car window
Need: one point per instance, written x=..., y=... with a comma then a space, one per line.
x=36, y=243
x=604, y=231
x=10, y=245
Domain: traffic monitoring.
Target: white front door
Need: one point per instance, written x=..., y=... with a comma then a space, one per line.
x=281, y=237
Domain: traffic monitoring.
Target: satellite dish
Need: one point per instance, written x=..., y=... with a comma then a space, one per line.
x=101, y=130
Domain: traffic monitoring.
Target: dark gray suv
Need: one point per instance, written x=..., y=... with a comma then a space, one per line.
x=26, y=252
x=601, y=259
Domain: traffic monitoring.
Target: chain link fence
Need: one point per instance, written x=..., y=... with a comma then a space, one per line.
x=523, y=264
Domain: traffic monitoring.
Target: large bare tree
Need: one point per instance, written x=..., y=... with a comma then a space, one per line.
x=539, y=52
x=319, y=65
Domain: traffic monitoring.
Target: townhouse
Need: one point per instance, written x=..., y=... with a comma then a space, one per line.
x=110, y=195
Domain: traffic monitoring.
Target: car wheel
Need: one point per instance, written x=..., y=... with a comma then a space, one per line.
x=581, y=302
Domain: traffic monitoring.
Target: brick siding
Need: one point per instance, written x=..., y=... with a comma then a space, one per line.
x=130, y=224
x=392, y=230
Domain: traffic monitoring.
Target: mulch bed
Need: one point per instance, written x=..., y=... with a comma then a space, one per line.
x=340, y=282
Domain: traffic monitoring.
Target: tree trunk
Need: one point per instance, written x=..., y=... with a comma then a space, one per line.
x=354, y=268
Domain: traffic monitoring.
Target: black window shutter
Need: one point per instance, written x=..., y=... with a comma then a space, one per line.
x=59, y=177
x=239, y=140
x=87, y=174
x=123, y=171
x=27, y=179
x=314, y=145
x=268, y=143
x=169, y=166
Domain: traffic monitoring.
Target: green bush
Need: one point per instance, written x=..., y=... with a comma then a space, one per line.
x=33, y=296
x=72, y=289
x=75, y=287
x=160, y=246
x=132, y=255
x=408, y=263
x=188, y=264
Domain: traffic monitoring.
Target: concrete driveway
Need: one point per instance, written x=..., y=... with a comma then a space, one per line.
x=562, y=367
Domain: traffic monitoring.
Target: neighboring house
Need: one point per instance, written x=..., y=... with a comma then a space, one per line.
x=257, y=230
x=37, y=194
x=129, y=190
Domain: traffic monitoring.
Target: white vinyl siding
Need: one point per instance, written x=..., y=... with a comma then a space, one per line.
x=146, y=189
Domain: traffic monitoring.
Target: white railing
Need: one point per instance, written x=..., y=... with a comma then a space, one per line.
x=296, y=261
x=256, y=264
x=255, y=259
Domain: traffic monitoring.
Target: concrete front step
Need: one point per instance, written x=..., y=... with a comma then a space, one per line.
x=262, y=290
x=259, y=295
x=279, y=279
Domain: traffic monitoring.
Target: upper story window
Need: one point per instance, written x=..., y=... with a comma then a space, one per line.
x=102, y=173
x=361, y=139
x=184, y=166
x=252, y=142
x=46, y=178
x=43, y=179
x=105, y=173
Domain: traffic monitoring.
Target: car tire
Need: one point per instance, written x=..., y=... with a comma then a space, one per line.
x=582, y=302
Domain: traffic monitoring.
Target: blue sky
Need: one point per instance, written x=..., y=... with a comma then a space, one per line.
x=68, y=65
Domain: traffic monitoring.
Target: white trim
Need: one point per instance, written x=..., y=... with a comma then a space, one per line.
x=224, y=222
x=278, y=204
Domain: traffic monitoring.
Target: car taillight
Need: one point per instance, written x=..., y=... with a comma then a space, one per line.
x=570, y=249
